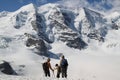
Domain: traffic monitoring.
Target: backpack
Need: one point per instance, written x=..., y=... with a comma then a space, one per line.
x=45, y=66
x=64, y=63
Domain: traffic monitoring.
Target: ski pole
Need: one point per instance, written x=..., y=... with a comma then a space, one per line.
x=53, y=74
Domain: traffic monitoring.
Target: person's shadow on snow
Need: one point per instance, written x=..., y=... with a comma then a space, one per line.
x=54, y=56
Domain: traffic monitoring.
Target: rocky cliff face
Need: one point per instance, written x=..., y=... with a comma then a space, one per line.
x=43, y=25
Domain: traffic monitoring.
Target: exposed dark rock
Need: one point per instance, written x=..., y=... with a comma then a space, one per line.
x=115, y=26
x=39, y=26
x=31, y=42
x=38, y=23
x=39, y=18
x=42, y=48
x=58, y=25
x=34, y=25
x=95, y=36
x=39, y=45
x=69, y=34
x=21, y=19
x=65, y=32
x=4, y=42
x=76, y=43
x=30, y=35
x=67, y=19
x=17, y=26
x=6, y=68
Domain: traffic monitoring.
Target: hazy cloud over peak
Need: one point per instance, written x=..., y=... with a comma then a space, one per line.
x=74, y=3
x=103, y=5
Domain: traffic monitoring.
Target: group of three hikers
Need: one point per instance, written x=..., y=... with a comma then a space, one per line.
x=61, y=68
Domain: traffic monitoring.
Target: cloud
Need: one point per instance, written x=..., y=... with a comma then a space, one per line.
x=115, y=4
x=101, y=5
x=109, y=5
x=74, y=3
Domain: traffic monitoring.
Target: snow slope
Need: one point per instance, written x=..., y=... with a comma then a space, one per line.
x=99, y=61
x=86, y=65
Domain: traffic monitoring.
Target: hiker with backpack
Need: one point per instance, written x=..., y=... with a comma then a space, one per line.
x=47, y=67
x=64, y=66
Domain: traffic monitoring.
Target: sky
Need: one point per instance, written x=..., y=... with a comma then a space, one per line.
x=103, y=5
x=12, y=5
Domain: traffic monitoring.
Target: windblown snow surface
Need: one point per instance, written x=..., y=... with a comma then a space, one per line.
x=90, y=64
x=99, y=61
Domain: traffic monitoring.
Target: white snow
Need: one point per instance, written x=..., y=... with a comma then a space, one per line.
x=100, y=61
x=89, y=64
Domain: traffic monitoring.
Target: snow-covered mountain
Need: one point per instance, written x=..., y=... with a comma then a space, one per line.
x=51, y=22
x=51, y=29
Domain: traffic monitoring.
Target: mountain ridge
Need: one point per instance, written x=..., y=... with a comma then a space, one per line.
x=51, y=22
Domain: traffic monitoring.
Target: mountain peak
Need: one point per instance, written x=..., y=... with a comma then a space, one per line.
x=47, y=7
x=29, y=7
x=4, y=13
x=53, y=22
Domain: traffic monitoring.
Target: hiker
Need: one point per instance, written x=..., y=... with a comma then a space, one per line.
x=47, y=67
x=64, y=66
x=58, y=68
